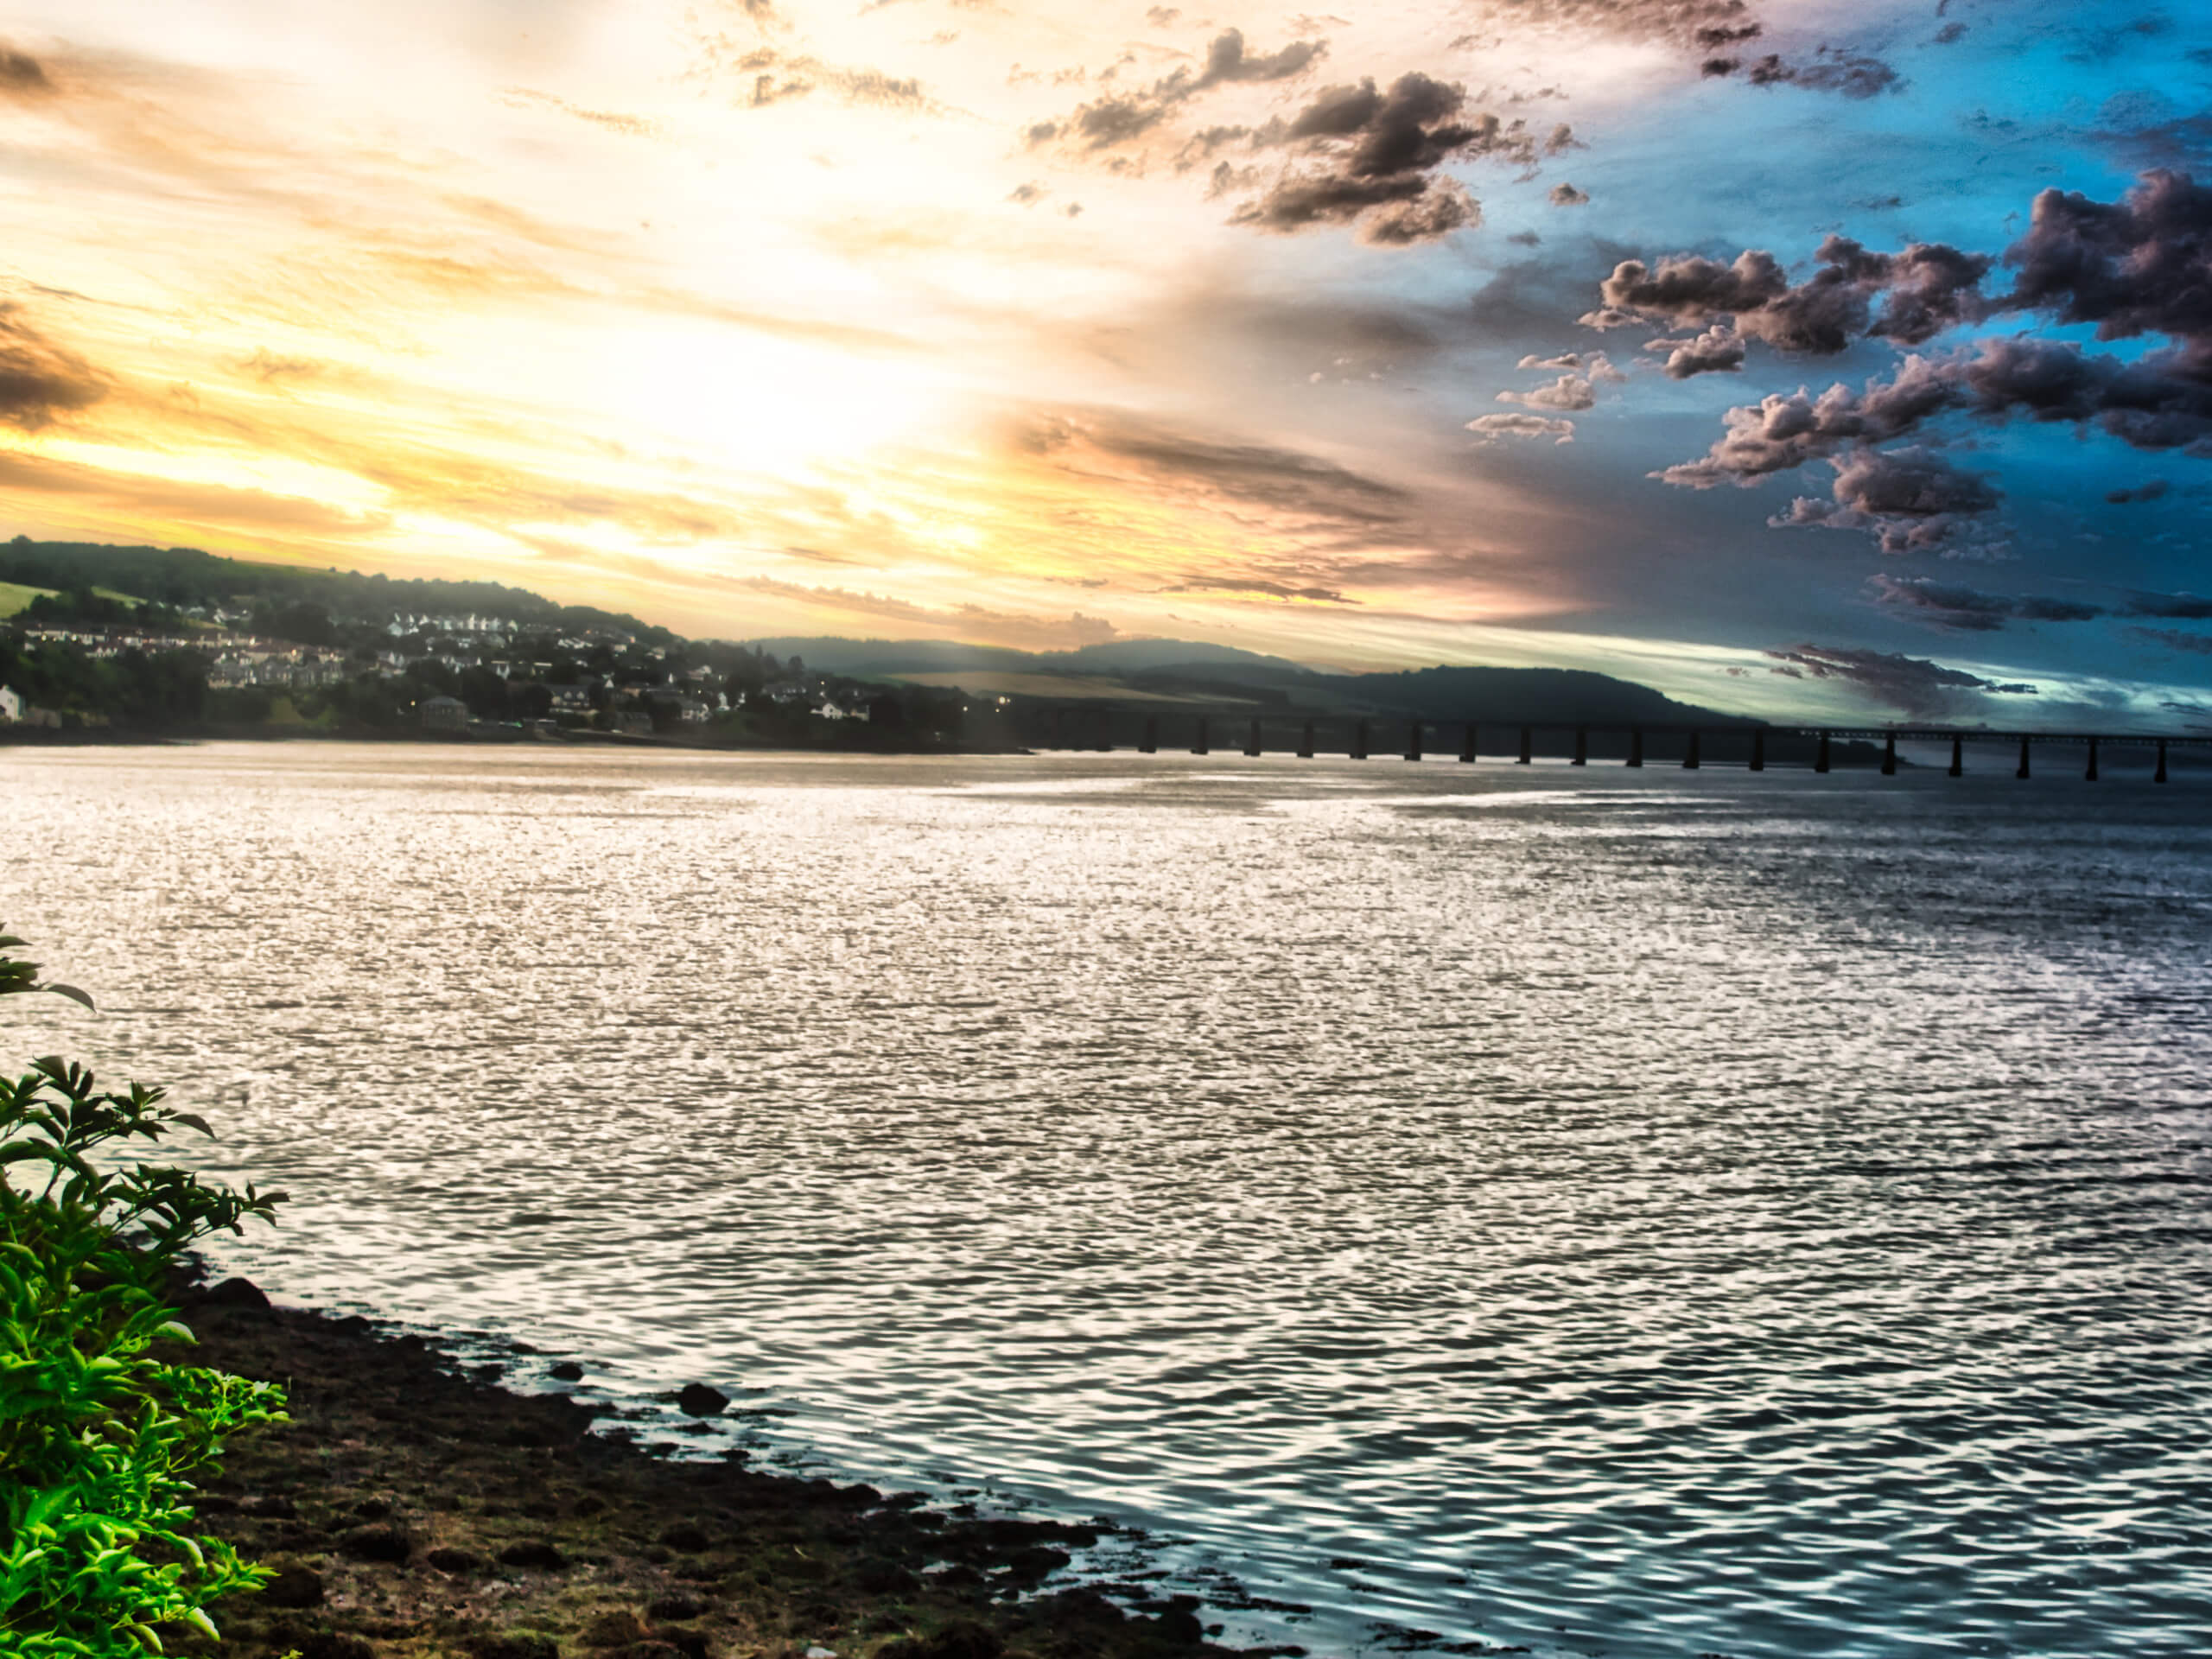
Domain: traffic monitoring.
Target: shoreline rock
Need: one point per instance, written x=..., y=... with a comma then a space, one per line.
x=413, y=1512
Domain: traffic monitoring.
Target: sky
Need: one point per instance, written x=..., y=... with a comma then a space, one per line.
x=1799, y=358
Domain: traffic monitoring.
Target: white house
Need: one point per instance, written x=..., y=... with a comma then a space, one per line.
x=11, y=705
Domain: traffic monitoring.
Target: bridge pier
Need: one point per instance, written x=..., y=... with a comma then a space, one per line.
x=1690, y=755
x=1151, y=744
x=1467, y=744
x=1889, y=756
x=1635, y=749
x=1413, y=741
x=1821, y=760
x=1252, y=739
x=2023, y=771
x=2159, y=776
x=1581, y=746
x=2089, y=776
x=1201, y=746
x=1523, y=761
x=1958, y=757
x=1758, y=749
x=1306, y=743
x=1359, y=741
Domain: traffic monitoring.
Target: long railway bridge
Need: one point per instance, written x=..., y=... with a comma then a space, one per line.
x=1689, y=747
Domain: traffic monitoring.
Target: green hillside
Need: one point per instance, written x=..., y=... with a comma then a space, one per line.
x=14, y=595
x=181, y=577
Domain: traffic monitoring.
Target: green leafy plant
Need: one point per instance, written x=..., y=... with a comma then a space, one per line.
x=98, y=1431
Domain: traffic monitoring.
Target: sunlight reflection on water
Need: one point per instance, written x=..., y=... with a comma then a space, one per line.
x=1652, y=1214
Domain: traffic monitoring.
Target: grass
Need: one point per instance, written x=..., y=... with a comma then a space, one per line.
x=14, y=596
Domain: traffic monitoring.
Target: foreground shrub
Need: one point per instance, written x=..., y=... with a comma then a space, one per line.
x=97, y=1433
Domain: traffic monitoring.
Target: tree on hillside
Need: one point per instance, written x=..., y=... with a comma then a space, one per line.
x=302, y=622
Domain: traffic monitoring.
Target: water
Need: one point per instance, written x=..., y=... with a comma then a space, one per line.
x=1637, y=1213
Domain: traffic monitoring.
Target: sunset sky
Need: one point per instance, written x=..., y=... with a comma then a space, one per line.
x=1789, y=357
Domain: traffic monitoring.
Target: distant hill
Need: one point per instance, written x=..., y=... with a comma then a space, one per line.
x=184, y=576
x=1521, y=696
x=894, y=656
x=1146, y=669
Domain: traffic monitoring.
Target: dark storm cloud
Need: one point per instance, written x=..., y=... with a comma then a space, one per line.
x=1364, y=147
x=2150, y=490
x=1109, y=122
x=1910, y=683
x=21, y=74
x=2156, y=402
x=1444, y=207
x=1949, y=605
x=2139, y=265
x=1228, y=62
x=1566, y=195
x=1359, y=153
x=2180, y=607
x=1418, y=125
x=1909, y=482
x=2161, y=401
x=39, y=380
x=1298, y=203
x=1911, y=499
x=1927, y=287
x=1782, y=431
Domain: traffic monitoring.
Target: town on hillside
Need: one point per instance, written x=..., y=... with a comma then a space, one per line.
x=144, y=640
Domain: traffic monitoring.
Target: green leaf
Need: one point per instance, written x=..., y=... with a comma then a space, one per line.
x=71, y=992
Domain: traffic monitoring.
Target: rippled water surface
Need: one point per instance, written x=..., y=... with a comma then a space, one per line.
x=1640, y=1213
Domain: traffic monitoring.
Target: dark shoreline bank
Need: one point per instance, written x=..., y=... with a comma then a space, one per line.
x=46, y=737
x=413, y=1509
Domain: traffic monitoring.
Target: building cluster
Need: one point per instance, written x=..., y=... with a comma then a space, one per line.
x=461, y=673
x=288, y=668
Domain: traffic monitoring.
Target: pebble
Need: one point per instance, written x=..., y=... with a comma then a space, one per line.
x=700, y=1401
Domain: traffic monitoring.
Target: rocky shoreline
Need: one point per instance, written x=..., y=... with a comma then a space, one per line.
x=415, y=1510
